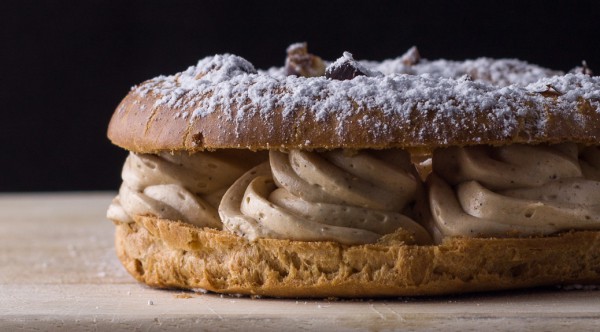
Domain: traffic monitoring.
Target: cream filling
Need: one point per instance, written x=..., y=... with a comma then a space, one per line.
x=590, y=163
x=329, y=196
x=177, y=186
x=516, y=190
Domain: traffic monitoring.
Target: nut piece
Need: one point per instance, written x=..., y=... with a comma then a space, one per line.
x=301, y=63
x=583, y=69
x=551, y=91
x=411, y=57
x=345, y=68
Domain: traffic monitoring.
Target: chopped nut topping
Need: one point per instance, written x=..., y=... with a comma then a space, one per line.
x=583, y=69
x=345, y=68
x=411, y=57
x=301, y=63
x=551, y=92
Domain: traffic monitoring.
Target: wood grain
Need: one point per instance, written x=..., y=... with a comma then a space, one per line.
x=58, y=271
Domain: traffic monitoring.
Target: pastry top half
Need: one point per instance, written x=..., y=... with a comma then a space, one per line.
x=408, y=102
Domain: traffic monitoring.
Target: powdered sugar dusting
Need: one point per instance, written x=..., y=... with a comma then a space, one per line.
x=231, y=85
x=499, y=72
x=202, y=77
x=571, y=87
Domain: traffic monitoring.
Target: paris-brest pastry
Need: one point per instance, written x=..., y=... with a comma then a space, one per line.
x=360, y=179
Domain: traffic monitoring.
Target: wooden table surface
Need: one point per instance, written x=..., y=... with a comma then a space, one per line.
x=58, y=270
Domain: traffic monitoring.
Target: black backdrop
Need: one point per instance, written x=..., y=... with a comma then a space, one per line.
x=66, y=64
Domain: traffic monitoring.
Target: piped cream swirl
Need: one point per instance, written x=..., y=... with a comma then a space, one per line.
x=329, y=196
x=178, y=186
x=515, y=190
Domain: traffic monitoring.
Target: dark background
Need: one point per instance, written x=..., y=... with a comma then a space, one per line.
x=67, y=64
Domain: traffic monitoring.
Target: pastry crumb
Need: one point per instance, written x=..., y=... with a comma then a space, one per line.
x=183, y=296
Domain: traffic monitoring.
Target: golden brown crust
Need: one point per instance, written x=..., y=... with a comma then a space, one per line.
x=163, y=253
x=157, y=129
